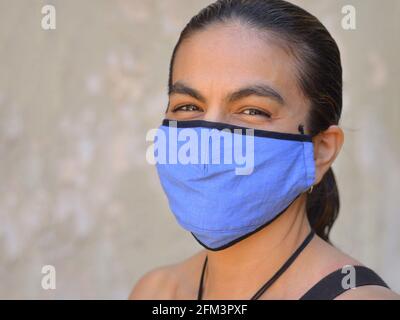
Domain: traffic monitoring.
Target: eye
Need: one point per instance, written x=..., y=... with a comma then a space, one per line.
x=256, y=112
x=187, y=108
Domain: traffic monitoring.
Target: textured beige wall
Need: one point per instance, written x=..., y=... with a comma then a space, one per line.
x=75, y=105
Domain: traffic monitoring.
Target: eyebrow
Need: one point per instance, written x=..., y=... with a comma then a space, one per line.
x=261, y=90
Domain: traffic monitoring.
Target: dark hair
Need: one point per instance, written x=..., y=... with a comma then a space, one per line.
x=319, y=67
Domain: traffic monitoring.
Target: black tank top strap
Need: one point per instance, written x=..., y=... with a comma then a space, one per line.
x=331, y=286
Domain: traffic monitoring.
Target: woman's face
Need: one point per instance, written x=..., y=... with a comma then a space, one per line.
x=228, y=73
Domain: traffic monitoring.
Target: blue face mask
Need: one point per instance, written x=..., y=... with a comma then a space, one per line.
x=225, y=182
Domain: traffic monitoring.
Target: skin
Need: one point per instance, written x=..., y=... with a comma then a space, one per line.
x=216, y=62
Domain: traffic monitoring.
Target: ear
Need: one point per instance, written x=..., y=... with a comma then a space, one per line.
x=327, y=146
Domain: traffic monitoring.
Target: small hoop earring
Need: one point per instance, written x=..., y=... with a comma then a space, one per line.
x=311, y=190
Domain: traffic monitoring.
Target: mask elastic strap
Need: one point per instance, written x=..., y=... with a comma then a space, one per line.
x=301, y=129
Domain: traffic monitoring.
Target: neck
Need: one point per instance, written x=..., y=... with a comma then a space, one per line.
x=242, y=268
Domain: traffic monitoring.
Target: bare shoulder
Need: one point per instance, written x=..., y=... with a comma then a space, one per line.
x=369, y=293
x=325, y=258
x=329, y=259
x=333, y=255
x=174, y=281
x=155, y=284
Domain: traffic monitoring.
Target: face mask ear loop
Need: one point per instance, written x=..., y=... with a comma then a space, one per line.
x=301, y=130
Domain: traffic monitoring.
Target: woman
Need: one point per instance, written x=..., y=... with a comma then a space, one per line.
x=270, y=66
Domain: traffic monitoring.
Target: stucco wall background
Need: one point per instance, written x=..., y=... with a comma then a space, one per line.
x=75, y=106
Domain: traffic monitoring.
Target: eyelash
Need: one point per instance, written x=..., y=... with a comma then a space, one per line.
x=186, y=105
x=260, y=112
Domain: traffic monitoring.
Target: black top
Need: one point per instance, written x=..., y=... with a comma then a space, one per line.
x=331, y=286
x=328, y=288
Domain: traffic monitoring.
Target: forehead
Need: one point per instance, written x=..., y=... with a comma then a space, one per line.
x=230, y=55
